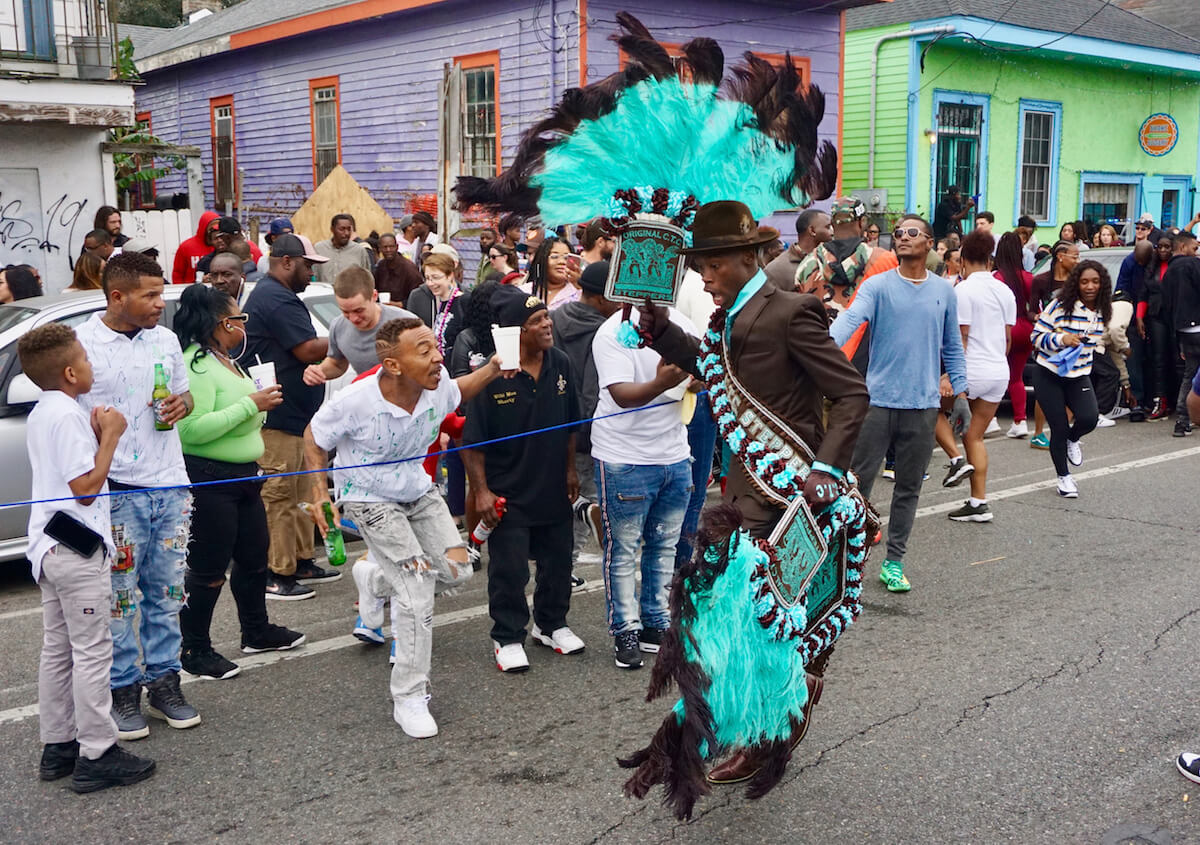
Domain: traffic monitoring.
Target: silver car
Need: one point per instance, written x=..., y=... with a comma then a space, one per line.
x=18, y=394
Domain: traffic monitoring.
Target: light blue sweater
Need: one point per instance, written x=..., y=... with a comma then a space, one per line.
x=914, y=335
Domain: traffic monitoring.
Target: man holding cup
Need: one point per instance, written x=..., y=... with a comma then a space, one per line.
x=280, y=343
x=534, y=474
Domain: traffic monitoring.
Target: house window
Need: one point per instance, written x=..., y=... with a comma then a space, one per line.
x=141, y=193
x=959, y=147
x=1037, y=143
x=1110, y=198
x=326, y=127
x=481, y=114
x=224, y=152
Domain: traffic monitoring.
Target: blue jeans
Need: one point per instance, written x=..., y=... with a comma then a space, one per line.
x=150, y=531
x=702, y=437
x=641, y=505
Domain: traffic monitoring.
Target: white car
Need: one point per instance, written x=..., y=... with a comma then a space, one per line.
x=18, y=394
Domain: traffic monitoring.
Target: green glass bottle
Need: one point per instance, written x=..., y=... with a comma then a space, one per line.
x=335, y=546
x=159, y=397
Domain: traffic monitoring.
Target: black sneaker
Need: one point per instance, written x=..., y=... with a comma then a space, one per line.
x=271, y=638
x=58, y=760
x=166, y=702
x=1137, y=414
x=650, y=639
x=286, y=588
x=959, y=469
x=308, y=572
x=577, y=583
x=127, y=712
x=116, y=767
x=625, y=650
x=1182, y=429
x=972, y=513
x=206, y=663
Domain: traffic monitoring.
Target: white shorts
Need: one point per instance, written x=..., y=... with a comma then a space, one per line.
x=989, y=390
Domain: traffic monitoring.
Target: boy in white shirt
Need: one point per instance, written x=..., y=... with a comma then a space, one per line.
x=412, y=541
x=69, y=544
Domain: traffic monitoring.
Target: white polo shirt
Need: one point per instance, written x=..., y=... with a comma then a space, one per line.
x=124, y=378
x=366, y=428
x=62, y=447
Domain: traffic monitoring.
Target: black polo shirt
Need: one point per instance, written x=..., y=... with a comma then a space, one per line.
x=531, y=472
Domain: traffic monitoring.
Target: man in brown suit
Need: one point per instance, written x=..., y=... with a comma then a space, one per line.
x=781, y=352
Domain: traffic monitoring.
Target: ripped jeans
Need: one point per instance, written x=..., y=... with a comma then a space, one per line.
x=408, y=542
x=643, y=506
x=150, y=531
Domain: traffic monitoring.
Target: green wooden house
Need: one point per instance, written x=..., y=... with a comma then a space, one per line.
x=1058, y=109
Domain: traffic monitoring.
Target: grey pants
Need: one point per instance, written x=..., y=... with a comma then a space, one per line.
x=407, y=542
x=74, y=700
x=911, y=432
x=587, y=489
x=1189, y=348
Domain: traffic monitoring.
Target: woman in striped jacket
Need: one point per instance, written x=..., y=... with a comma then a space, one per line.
x=1075, y=320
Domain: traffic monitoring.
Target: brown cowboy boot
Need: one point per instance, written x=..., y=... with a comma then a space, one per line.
x=746, y=762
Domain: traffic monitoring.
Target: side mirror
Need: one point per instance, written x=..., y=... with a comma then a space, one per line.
x=22, y=391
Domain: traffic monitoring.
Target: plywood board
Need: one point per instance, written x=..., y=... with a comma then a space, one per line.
x=340, y=194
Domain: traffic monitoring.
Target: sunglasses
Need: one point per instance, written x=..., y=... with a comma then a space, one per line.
x=910, y=231
x=241, y=318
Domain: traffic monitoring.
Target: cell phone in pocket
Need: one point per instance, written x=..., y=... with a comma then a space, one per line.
x=73, y=534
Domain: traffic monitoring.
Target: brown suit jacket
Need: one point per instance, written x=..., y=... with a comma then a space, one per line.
x=783, y=354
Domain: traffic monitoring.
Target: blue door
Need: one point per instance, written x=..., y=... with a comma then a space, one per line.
x=1176, y=208
x=39, y=29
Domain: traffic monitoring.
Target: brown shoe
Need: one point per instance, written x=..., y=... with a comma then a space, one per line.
x=745, y=763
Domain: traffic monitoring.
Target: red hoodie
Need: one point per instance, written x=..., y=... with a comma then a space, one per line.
x=183, y=272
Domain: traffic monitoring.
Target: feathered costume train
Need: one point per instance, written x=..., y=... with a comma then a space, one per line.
x=655, y=141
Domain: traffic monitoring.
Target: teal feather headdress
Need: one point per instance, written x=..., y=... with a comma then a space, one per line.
x=664, y=136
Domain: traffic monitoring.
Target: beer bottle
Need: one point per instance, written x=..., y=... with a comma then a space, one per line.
x=159, y=397
x=335, y=546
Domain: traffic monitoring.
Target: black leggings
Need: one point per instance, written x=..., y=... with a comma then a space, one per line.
x=228, y=522
x=1055, y=394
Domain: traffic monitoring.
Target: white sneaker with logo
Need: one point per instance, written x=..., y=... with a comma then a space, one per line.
x=1067, y=487
x=1074, y=453
x=511, y=657
x=366, y=574
x=412, y=715
x=562, y=640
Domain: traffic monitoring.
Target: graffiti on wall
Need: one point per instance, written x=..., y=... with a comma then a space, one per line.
x=31, y=234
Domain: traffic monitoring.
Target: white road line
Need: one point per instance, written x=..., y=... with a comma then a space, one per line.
x=17, y=714
x=16, y=614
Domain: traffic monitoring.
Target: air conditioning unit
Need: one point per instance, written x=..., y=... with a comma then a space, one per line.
x=93, y=56
x=875, y=199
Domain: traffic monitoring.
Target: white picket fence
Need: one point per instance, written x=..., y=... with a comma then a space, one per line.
x=164, y=229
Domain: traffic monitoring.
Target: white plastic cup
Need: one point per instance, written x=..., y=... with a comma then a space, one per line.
x=508, y=346
x=263, y=375
x=384, y=297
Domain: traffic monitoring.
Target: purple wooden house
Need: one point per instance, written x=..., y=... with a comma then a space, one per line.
x=278, y=92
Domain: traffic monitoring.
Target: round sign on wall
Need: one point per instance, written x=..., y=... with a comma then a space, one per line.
x=1158, y=134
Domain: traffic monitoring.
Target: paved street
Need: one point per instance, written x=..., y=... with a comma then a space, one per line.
x=1035, y=686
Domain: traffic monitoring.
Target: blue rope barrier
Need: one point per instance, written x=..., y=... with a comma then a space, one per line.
x=422, y=457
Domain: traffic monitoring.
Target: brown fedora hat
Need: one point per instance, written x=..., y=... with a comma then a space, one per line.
x=727, y=225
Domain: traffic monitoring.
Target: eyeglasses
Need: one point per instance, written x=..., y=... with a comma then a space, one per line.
x=910, y=231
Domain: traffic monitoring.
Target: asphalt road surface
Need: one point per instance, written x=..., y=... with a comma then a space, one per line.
x=1035, y=686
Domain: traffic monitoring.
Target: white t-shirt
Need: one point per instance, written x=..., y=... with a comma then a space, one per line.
x=124, y=378
x=366, y=428
x=652, y=437
x=986, y=305
x=694, y=301
x=62, y=447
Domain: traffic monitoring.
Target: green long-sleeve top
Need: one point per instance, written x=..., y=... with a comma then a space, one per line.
x=225, y=424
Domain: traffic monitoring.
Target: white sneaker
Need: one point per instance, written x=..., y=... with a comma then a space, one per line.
x=1018, y=430
x=992, y=428
x=1074, y=453
x=1067, y=488
x=370, y=606
x=562, y=640
x=412, y=715
x=511, y=657
x=1116, y=413
x=1105, y=422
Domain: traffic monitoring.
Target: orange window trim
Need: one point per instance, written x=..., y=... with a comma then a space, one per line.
x=144, y=117
x=213, y=105
x=489, y=59
x=583, y=43
x=313, y=85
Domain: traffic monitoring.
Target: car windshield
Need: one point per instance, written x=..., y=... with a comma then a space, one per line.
x=11, y=315
x=324, y=308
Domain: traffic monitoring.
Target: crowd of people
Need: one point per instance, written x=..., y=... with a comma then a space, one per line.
x=505, y=408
